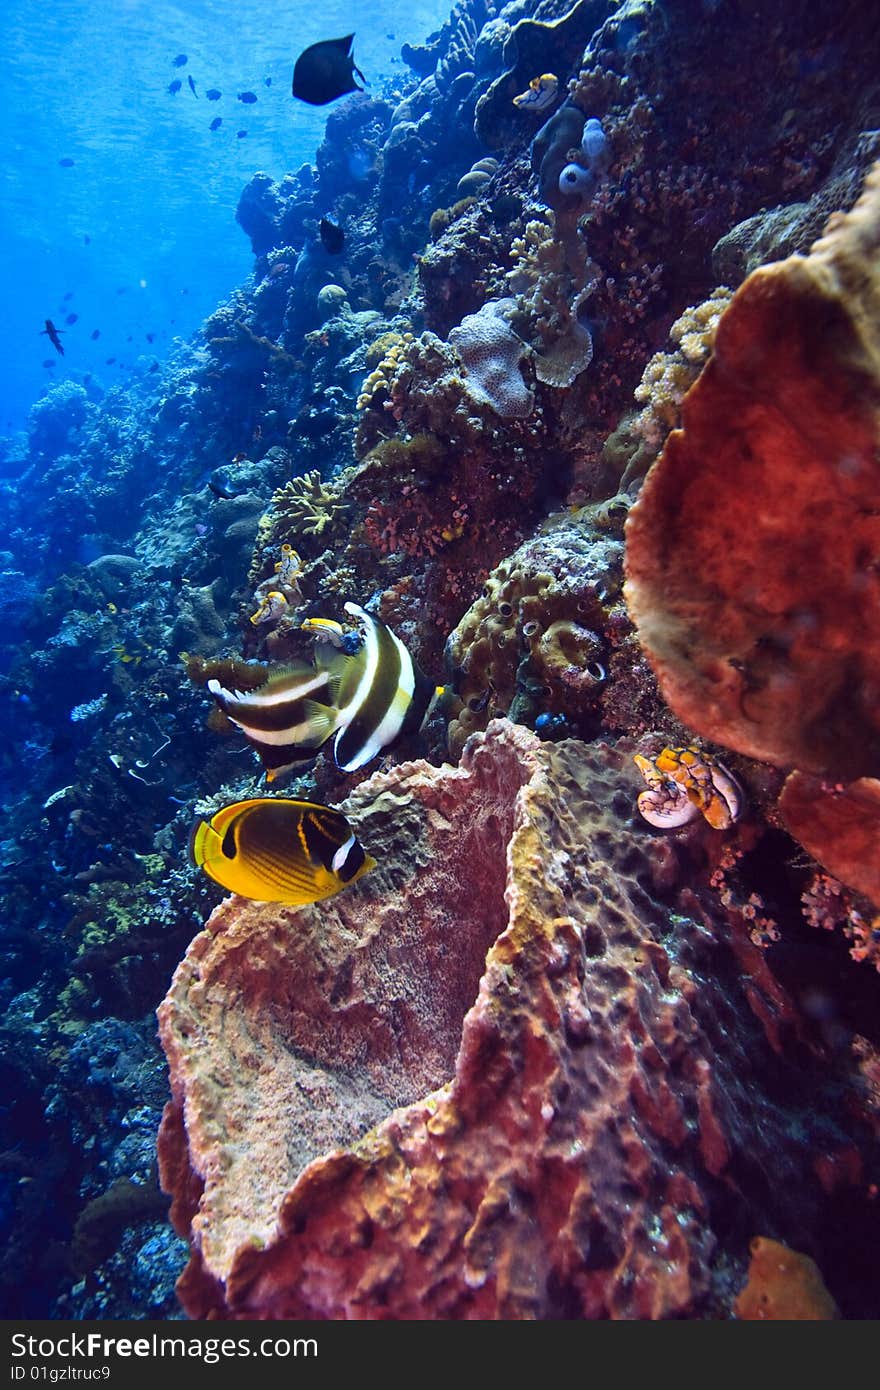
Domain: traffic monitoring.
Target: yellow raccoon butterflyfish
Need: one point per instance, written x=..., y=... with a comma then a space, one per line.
x=279, y=850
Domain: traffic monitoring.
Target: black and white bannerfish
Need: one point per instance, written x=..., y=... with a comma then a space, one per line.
x=279, y=850
x=287, y=719
x=367, y=698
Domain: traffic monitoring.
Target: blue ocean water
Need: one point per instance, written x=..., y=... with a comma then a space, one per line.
x=118, y=199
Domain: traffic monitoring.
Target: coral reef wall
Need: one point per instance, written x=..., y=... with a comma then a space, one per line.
x=546, y=1020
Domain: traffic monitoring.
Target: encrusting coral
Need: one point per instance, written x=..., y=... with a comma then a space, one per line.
x=750, y=552
x=379, y=1123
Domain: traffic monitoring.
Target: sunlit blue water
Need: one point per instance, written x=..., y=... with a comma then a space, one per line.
x=138, y=236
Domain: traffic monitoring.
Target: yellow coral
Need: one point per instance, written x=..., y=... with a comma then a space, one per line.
x=380, y=376
x=308, y=504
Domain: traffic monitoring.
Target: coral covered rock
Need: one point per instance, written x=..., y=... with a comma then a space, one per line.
x=531, y=642
x=577, y=1117
x=751, y=552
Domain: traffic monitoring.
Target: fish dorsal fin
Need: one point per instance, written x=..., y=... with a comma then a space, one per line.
x=286, y=677
x=345, y=44
x=287, y=683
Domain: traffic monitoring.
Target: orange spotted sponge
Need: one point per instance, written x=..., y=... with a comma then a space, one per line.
x=783, y=1286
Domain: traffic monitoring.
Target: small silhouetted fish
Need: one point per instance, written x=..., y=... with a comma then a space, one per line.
x=240, y=134
x=149, y=337
x=53, y=334
x=180, y=60
x=247, y=97
x=108, y=361
x=332, y=237
x=129, y=339
x=65, y=297
x=96, y=333
x=71, y=318
x=216, y=123
x=325, y=71
x=86, y=239
x=154, y=367
x=175, y=86
x=192, y=85
x=49, y=362
x=390, y=36
x=66, y=162
x=213, y=94
x=268, y=81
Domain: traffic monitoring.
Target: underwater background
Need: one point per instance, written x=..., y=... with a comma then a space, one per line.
x=518, y=406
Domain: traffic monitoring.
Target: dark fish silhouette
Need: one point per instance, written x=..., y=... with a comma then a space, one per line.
x=149, y=337
x=52, y=333
x=71, y=318
x=96, y=335
x=49, y=362
x=213, y=94
x=66, y=162
x=65, y=297
x=180, y=60
x=154, y=367
x=216, y=123
x=332, y=237
x=247, y=97
x=268, y=81
x=109, y=361
x=192, y=85
x=325, y=71
x=175, y=86
x=240, y=134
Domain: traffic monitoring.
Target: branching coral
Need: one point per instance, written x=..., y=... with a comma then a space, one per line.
x=553, y=281
x=665, y=382
x=308, y=505
x=383, y=366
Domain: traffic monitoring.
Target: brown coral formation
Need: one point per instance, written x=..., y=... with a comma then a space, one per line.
x=784, y=1286
x=571, y=1112
x=532, y=641
x=751, y=552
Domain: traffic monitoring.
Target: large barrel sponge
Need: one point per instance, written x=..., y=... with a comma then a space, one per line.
x=752, y=552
